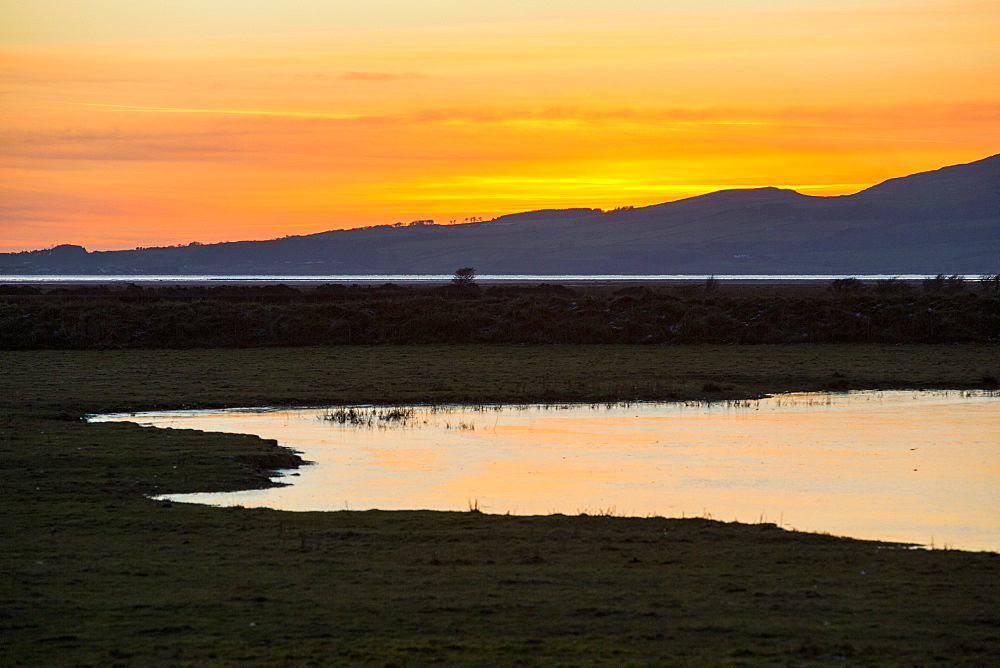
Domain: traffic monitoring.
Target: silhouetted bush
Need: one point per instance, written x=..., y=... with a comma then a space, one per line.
x=990, y=284
x=942, y=283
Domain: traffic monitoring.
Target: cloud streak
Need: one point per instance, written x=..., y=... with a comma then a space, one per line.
x=28, y=149
x=497, y=116
x=227, y=112
x=901, y=115
x=379, y=76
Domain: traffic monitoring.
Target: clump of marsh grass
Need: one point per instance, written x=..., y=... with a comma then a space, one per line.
x=460, y=426
x=370, y=416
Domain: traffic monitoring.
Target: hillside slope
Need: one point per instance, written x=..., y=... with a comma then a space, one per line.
x=942, y=221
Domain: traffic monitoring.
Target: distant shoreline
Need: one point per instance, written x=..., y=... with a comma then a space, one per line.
x=434, y=279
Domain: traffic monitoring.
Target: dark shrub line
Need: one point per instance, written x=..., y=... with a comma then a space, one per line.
x=192, y=318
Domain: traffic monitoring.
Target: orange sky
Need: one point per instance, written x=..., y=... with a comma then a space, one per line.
x=128, y=124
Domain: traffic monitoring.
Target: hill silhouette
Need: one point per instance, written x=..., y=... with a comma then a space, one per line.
x=941, y=221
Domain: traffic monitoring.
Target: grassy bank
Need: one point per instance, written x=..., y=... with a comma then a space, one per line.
x=104, y=381
x=93, y=573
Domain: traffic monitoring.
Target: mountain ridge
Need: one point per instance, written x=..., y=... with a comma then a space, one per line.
x=945, y=220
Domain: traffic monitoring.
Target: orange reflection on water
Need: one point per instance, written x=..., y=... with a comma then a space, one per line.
x=915, y=467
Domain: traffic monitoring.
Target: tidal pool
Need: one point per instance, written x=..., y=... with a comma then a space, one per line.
x=919, y=467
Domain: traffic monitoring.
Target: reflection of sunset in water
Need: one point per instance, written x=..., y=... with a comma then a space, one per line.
x=903, y=466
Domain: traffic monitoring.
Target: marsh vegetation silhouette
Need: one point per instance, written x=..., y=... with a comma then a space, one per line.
x=464, y=276
x=846, y=311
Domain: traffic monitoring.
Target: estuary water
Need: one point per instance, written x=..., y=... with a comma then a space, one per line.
x=917, y=467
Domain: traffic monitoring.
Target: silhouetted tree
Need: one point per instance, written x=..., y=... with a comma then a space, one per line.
x=464, y=276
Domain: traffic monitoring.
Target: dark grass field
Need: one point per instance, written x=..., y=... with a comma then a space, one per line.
x=93, y=573
x=104, y=381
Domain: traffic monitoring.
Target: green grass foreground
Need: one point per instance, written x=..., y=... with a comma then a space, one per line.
x=93, y=573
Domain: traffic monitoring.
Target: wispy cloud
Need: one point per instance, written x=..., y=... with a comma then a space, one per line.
x=579, y=116
x=906, y=123
x=546, y=116
x=380, y=76
x=25, y=204
x=232, y=112
x=115, y=146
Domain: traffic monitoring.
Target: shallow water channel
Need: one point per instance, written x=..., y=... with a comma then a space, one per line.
x=920, y=467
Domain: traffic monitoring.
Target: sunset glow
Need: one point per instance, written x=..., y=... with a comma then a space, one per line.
x=137, y=124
